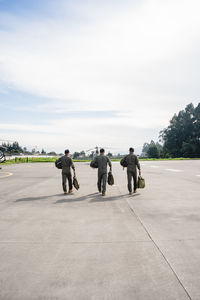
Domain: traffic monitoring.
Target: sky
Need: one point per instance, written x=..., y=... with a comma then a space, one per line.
x=76, y=74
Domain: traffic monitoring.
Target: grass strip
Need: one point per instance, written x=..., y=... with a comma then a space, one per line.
x=53, y=159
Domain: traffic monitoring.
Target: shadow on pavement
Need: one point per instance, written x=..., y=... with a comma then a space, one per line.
x=37, y=198
x=96, y=197
x=106, y=199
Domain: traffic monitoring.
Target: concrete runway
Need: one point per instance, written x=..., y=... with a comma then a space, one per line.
x=83, y=246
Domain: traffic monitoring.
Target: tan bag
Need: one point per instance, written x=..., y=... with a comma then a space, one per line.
x=75, y=183
x=110, y=178
x=141, y=182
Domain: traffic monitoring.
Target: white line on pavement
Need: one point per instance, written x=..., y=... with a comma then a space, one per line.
x=155, y=166
x=173, y=170
x=6, y=174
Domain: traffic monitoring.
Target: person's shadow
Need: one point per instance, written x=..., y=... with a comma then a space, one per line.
x=94, y=197
x=37, y=198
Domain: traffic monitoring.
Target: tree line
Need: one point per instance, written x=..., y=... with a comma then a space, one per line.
x=180, y=139
x=15, y=148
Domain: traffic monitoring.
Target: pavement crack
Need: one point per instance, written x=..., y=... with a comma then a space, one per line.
x=72, y=243
x=158, y=248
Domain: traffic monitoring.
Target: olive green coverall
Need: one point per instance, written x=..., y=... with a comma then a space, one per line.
x=132, y=165
x=102, y=162
x=67, y=163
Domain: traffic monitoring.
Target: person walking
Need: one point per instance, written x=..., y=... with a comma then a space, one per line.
x=67, y=164
x=102, y=161
x=132, y=163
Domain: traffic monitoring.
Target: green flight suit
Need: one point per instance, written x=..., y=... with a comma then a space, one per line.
x=132, y=165
x=102, y=162
x=67, y=164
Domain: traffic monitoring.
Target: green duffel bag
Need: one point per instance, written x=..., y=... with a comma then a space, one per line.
x=141, y=182
x=110, y=178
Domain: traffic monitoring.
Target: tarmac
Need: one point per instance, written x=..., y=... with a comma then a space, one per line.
x=84, y=246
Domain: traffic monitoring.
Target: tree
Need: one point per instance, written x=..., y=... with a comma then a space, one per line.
x=76, y=155
x=160, y=150
x=12, y=148
x=82, y=153
x=43, y=152
x=182, y=136
x=52, y=153
x=109, y=154
x=152, y=150
x=145, y=149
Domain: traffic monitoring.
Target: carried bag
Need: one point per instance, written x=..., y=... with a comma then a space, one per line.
x=141, y=182
x=94, y=164
x=75, y=183
x=110, y=178
x=2, y=157
x=123, y=163
x=58, y=164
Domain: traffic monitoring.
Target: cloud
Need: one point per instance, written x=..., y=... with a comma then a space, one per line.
x=79, y=135
x=137, y=58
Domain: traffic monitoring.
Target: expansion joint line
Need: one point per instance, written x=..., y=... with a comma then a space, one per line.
x=157, y=247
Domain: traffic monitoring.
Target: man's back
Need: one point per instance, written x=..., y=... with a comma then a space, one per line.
x=66, y=163
x=102, y=161
x=132, y=162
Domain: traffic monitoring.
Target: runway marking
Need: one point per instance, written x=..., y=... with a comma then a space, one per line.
x=155, y=166
x=7, y=174
x=173, y=170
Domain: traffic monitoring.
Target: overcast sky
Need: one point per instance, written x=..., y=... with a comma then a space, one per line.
x=75, y=74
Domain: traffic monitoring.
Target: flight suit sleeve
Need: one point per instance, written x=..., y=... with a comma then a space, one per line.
x=137, y=163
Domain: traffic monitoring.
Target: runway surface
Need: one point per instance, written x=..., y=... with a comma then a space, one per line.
x=82, y=246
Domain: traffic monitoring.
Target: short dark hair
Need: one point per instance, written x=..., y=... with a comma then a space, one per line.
x=66, y=151
x=102, y=150
x=131, y=149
